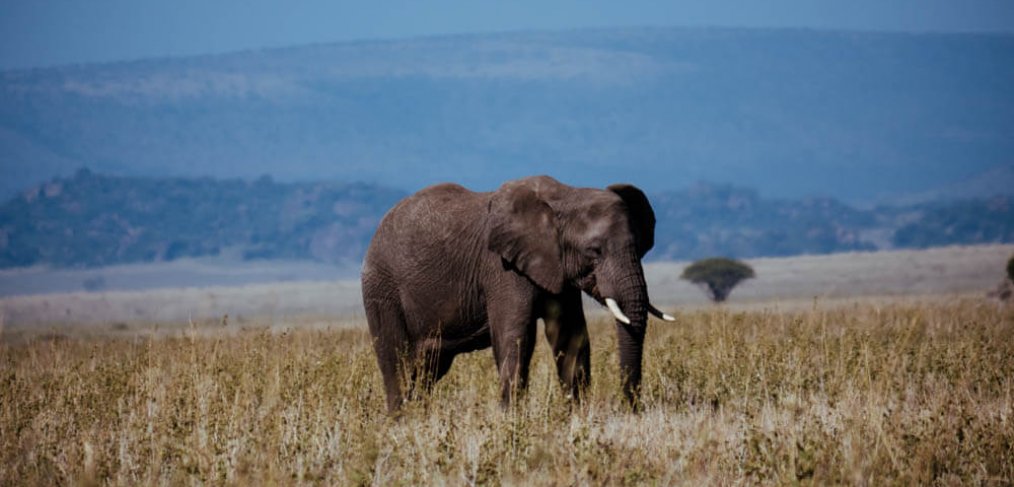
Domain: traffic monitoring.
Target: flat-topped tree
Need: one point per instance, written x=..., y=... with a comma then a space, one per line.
x=717, y=276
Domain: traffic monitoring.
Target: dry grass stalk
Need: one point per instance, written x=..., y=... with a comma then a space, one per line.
x=863, y=394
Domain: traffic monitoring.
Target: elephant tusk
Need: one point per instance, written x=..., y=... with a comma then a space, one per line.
x=615, y=308
x=661, y=314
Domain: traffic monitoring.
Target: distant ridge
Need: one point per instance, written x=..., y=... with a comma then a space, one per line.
x=92, y=220
x=859, y=116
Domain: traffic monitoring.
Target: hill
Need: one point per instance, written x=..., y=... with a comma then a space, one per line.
x=861, y=117
x=719, y=219
x=96, y=220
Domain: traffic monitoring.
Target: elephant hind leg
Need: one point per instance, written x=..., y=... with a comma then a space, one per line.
x=393, y=348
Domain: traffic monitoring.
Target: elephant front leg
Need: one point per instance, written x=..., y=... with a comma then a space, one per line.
x=567, y=333
x=512, y=350
x=510, y=311
x=512, y=332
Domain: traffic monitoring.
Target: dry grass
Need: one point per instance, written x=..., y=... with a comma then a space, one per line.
x=936, y=271
x=861, y=394
x=788, y=281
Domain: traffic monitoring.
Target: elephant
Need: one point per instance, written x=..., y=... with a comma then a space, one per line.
x=451, y=271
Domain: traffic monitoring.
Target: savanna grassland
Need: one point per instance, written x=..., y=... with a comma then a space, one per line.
x=863, y=393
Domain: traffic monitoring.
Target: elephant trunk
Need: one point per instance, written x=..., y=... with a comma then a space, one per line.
x=632, y=298
x=630, y=340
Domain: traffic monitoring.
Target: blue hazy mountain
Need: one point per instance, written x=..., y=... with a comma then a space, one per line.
x=93, y=220
x=862, y=117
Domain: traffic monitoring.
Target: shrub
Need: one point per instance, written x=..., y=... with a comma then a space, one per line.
x=717, y=276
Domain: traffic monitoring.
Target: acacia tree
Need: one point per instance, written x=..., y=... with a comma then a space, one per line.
x=717, y=276
x=1010, y=268
x=1005, y=290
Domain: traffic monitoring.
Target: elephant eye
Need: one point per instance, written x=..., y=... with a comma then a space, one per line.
x=595, y=251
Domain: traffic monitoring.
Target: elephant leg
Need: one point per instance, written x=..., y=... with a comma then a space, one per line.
x=567, y=333
x=513, y=337
x=391, y=343
x=432, y=364
x=513, y=353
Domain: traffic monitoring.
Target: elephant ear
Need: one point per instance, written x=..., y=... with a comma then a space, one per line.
x=642, y=217
x=523, y=231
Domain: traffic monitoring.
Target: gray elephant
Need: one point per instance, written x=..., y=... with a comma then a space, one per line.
x=451, y=271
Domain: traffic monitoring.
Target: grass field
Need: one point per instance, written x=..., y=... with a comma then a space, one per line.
x=788, y=282
x=913, y=392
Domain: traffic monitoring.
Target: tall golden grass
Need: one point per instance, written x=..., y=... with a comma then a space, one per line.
x=860, y=394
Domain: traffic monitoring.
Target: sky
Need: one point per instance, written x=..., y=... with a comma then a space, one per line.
x=40, y=33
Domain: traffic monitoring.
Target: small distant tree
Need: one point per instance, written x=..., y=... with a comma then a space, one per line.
x=1005, y=290
x=717, y=276
x=93, y=284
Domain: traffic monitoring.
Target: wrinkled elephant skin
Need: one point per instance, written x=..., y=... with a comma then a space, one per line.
x=451, y=271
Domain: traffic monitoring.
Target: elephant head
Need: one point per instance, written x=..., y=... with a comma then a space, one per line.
x=585, y=238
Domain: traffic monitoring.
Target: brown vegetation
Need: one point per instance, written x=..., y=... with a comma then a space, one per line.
x=865, y=394
x=785, y=281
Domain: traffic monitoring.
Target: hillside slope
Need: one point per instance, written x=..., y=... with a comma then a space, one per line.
x=856, y=116
x=94, y=220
